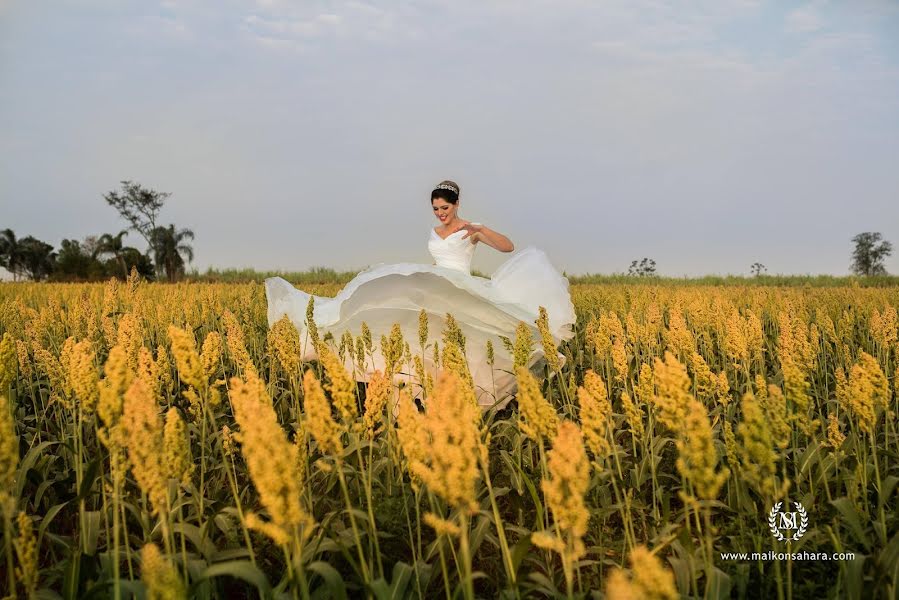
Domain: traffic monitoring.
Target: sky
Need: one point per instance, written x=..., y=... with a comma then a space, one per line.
x=707, y=135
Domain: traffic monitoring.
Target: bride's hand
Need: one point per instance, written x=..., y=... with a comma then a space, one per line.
x=473, y=230
x=478, y=233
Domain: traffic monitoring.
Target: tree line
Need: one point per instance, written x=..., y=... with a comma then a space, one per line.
x=867, y=259
x=99, y=257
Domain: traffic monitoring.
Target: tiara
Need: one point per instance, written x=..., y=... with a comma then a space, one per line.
x=446, y=186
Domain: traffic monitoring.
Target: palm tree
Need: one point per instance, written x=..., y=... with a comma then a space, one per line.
x=168, y=245
x=109, y=244
x=10, y=253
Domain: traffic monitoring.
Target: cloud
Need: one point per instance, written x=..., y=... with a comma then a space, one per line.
x=168, y=26
x=803, y=20
x=288, y=28
x=279, y=44
x=350, y=20
x=617, y=112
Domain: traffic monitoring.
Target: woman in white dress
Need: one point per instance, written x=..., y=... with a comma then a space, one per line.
x=484, y=309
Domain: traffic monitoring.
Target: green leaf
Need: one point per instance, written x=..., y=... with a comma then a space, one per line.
x=91, y=532
x=854, y=585
x=514, y=478
x=889, y=486
x=71, y=583
x=241, y=569
x=808, y=457
x=532, y=490
x=402, y=574
x=88, y=481
x=230, y=554
x=477, y=534
x=333, y=580
x=380, y=588
x=105, y=590
x=852, y=520
x=203, y=545
x=27, y=463
x=681, y=573
x=79, y=570
x=718, y=584
x=48, y=518
x=41, y=490
x=520, y=550
x=544, y=583
x=888, y=560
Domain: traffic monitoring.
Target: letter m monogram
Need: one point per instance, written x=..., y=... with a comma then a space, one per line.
x=787, y=520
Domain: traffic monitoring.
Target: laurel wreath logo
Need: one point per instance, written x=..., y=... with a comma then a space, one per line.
x=775, y=530
x=772, y=519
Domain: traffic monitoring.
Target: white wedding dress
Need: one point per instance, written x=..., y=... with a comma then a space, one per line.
x=484, y=309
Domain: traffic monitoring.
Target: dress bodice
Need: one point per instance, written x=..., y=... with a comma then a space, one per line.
x=452, y=252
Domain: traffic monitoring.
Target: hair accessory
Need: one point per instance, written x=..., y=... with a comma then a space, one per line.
x=447, y=186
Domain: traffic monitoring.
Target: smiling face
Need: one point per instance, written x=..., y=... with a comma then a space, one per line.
x=443, y=210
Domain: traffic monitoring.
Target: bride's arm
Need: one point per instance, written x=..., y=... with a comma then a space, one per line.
x=494, y=239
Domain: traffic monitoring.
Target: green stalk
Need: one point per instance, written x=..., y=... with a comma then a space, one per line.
x=416, y=549
x=439, y=542
x=544, y=517
x=7, y=539
x=79, y=476
x=446, y=583
x=628, y=520
x=650, y=429
x=202, y=494
x=466, y=557
x=500, y=530
x=290, y=571
x=366, y=474
x=300, y=569
x=346, y=497
x=232, y=482
x=880, y=499
x=185, y=571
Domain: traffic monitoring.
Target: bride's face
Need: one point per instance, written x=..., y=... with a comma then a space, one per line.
x=443, y=210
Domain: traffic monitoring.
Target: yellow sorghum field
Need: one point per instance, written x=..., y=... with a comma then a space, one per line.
x=160, y=441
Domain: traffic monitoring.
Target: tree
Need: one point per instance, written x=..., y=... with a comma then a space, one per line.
x=111, y=245
x=10, y=253
x=91, y=246
x=646, y=268
x=757, y=269
x=140, y=207
x=867, y=258
x=73, y=261
x=134, y=258
x=38, y=258
x=168, y=246
x=84, y=261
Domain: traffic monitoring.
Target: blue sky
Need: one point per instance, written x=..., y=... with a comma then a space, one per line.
x=706, y=135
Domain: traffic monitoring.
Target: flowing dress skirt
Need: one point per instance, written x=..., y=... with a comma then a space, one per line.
x=484, y=309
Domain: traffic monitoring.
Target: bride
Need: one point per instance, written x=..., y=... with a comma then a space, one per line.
x=486, y=310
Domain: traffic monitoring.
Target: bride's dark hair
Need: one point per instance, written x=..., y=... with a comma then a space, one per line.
x=446, y=189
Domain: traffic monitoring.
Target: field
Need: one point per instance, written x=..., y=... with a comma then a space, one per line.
x=160, y=441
